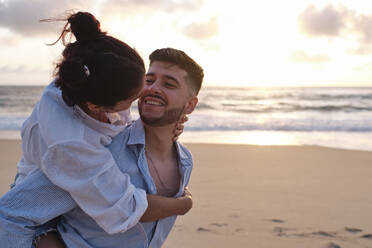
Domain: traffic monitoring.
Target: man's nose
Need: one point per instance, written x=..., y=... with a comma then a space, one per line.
x=154, y=87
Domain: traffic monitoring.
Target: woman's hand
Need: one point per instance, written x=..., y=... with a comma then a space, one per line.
x=179, y=126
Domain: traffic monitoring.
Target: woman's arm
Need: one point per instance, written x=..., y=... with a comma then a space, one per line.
x=159, y=207
x=36, y=200
x=96, y=184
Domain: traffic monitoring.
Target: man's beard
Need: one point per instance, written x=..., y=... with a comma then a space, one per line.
x=169, y=117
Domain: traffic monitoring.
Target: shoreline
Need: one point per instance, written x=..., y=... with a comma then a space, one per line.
x=336, y=140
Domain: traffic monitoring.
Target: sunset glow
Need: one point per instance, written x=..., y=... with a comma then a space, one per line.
x=239, y=43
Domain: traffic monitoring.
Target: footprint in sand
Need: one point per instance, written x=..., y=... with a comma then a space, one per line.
x=282, y=231
x=276, y=220
x=366, y=236
x=325, y=234
x=202, y=229
x=332, y=245
x=219, y=224
x=353, y=230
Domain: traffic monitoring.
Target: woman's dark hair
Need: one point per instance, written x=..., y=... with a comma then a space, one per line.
x=96, y=68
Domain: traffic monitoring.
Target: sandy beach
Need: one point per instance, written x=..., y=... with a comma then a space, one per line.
x=266, y=196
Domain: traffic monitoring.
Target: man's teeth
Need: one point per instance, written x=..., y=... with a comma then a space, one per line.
x=153, y=103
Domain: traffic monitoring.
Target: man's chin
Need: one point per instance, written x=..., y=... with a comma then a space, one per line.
x=157, y=122
x=154, y=122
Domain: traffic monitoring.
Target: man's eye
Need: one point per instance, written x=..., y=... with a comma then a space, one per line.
x=169, y=85
x=149, y=81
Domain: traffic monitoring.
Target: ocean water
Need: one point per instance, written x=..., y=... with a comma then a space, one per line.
x=334, y=117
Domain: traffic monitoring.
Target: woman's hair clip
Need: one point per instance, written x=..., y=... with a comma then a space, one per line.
x=86, y=70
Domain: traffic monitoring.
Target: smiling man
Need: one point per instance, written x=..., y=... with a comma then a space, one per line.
x=172, y=83
x=145, y=151
x=162, y=166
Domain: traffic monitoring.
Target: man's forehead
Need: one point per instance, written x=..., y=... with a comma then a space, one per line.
x=162, y=68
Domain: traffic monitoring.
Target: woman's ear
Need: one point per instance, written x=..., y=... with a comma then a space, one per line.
x=190, y=105
x=94, y=108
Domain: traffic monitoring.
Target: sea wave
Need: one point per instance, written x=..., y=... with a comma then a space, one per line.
x=279, y=127
x=200, y=122
x=243, y=109
x=283, y=107
x=279, y=122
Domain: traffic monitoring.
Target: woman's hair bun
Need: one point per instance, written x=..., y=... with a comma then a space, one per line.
x=84, y=26
x=72, y=74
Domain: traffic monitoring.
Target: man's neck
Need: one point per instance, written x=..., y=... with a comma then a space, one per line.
x=159, y=140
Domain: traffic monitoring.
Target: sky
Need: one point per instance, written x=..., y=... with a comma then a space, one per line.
x=237, y=42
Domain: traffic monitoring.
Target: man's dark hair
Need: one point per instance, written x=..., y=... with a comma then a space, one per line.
x=194, y=71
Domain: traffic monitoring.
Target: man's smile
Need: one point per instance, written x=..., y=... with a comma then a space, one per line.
x=154, y=100
x=153, y=103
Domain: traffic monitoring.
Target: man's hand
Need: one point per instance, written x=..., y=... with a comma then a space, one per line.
x=179, y=126
x=187, y=199
x=160, y=207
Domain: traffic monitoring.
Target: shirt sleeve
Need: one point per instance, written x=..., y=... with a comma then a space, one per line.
x=26, y=207
x=97, y=185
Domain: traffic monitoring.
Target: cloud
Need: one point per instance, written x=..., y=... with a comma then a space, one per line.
x=326, y=22
x=301, y=56
x=22, y=16
x=129, y=7
x=363, y=26
x=339, y=23
x=202, y=30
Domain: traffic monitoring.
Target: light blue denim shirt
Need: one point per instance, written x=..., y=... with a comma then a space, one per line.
x=36, y=200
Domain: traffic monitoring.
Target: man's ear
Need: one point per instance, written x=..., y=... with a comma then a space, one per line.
x=190, y=105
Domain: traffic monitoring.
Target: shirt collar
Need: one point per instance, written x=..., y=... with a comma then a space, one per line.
x=101, y=127
x=137, y=137
x=136, y=133
x=181, y=153
x=104, y=128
